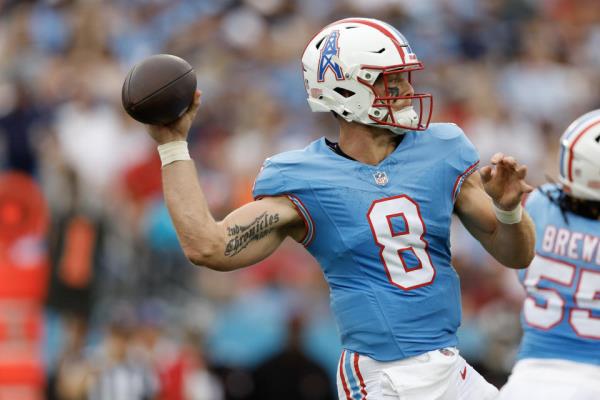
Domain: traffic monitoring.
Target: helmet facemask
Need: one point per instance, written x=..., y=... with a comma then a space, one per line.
x=414, y=116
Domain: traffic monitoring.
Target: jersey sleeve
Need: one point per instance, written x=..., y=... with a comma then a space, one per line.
x=269, y=182
x=464, y=160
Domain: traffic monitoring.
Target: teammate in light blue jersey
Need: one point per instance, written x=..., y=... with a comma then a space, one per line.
x=560, y=352
x=374, y=208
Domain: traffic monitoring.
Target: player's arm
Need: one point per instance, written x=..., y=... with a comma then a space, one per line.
x=244, y=237
x=501, y=184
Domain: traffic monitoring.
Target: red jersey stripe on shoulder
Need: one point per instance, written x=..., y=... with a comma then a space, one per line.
x=302, y=211
x=462, y=177
x=306, y=217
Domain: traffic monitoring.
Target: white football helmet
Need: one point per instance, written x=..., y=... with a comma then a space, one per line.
x=580, y=157
x=341, y=64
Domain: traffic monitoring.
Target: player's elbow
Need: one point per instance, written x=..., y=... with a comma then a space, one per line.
x=205, y=256
x=521, y=259
x=202, y=260
x=516, y=265
x=528, y=257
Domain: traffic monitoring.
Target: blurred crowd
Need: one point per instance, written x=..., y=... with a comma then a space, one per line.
x=126, y=316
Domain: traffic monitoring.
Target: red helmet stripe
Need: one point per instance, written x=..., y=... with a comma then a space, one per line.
x=572, y=147
x=375, y=25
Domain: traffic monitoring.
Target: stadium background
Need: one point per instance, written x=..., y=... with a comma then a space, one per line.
x=91, y=276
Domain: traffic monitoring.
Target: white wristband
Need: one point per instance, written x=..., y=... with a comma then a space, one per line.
x=173, y=151
x=509, y=217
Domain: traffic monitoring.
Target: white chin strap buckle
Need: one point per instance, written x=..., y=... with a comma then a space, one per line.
x=407, y=117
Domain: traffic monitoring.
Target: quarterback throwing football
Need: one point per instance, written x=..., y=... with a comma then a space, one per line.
x=374, y=208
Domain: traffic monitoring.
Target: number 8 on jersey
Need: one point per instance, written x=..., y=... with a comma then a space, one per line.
x=394, y=245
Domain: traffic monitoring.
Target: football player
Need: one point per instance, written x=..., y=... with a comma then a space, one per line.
x=559, y=356
x=374, y=208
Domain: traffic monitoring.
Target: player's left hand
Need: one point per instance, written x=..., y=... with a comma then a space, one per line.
x=504, y=181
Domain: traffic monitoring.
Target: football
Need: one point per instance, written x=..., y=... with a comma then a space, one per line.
x=159, y=89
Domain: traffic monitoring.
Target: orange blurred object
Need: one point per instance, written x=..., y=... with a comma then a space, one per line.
x=23, y=209
x=24, y=271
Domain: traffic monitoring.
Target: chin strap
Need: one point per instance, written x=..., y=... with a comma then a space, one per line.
x=407, y=117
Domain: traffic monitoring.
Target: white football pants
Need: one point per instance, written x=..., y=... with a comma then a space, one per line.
x=437, y=375
x=550, y=379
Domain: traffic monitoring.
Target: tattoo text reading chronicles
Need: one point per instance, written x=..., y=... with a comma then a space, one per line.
x=242, y=235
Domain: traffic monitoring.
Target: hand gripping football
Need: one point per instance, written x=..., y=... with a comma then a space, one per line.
x=159, y=89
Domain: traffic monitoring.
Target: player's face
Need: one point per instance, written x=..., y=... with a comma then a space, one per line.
x=397, y=85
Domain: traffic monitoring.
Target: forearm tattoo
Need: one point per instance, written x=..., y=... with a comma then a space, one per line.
x=240, y=236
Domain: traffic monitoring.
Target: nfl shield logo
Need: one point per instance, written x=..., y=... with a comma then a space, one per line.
x=380, y=178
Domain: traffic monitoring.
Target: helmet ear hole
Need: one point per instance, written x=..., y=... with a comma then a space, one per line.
x=597, y=139
x=344, y=92
x=320, y=42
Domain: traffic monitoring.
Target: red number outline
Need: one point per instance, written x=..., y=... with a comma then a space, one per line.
x=400, y=251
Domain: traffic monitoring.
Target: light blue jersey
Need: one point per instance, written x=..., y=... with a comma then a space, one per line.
x=381, y=235
x=561, y=314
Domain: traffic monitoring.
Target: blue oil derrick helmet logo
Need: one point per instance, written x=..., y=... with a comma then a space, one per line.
x=327, y=60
